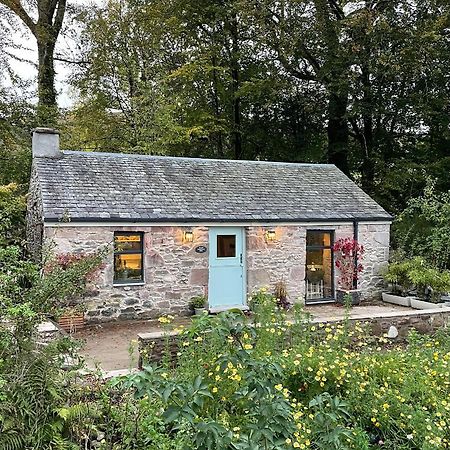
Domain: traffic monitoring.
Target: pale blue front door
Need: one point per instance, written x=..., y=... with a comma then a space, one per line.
x=226, y=268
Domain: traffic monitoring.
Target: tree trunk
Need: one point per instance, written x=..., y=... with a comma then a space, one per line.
x=237, y=136
x=50, y=16
x=337, y=130
x=368, y=165
x=46, y=82
x=215, y=82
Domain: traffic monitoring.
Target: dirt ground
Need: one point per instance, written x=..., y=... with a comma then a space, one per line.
x=113, y=346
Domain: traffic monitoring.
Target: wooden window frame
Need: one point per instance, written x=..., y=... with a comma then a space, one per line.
x=129, y=252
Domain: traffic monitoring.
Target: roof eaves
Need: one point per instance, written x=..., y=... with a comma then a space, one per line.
x=387, y=218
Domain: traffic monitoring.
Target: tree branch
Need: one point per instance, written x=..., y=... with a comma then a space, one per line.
x=337, y=10
x=57, y=24
x=69, y=61
x=16, y=7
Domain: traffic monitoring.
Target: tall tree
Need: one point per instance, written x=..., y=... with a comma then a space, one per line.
x=46, y=29
x=309, y=40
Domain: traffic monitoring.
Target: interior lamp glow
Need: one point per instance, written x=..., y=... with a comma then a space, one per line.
x=270, y=235
x=188, y=236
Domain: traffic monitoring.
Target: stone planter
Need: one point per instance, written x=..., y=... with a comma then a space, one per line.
x=396, y=299
x=420, y=304
x=354, y=293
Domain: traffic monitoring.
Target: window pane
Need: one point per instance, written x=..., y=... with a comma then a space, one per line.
x=318, y=238
x=128, y=267
x=319, y=274
x=127, y=242
x=226, y=246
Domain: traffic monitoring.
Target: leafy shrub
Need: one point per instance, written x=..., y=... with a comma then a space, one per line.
x=348, y=254
x=12, y=215
x=415, y=276
x=260, y=298
x=423, y=228
x=273, y=384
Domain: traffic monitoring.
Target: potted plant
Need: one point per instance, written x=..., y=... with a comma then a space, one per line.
x=415, y=283
x=348, y=254
x=400, y=287
x=198, y=304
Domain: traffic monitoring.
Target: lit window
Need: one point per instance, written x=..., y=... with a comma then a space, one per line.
x=128, y=252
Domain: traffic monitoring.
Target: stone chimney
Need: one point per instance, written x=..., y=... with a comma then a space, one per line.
x=46, y=143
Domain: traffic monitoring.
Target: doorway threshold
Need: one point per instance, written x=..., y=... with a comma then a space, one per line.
x=320, y=302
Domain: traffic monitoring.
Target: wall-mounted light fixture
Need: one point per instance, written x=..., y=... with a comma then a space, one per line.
x=188, y=236
x=270, y=235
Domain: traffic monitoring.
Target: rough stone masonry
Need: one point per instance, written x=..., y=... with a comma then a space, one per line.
x=174, y=272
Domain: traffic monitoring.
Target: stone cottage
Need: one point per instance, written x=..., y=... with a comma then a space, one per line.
x=180, y=227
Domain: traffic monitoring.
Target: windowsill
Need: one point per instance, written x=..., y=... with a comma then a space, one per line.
x=309, y=302
x=138, y=283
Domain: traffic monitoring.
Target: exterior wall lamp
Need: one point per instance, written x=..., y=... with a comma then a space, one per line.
x=188, y=236
x=270, y=235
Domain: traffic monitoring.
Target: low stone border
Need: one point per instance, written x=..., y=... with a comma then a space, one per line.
x=396, y=324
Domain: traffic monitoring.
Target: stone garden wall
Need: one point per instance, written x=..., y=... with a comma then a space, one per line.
x=397, y=326
x=174, y=272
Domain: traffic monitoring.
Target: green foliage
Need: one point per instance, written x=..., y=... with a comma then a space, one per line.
x=12, y=215
x=37, y=410
x=423, y=228
x=272, y=382
x=332, y=386
x=34, y=386
x=198, y=301
x=416, y=276
x=26, y=297
x=331, y=416
x=260, y=299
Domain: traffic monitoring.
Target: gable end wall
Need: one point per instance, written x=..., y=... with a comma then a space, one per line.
x=35, y=224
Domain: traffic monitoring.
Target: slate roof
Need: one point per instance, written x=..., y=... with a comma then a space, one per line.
x=89, y=186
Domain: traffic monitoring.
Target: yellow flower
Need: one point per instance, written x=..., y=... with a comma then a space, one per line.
x=279, y=387
x=248, y=346
x=214, y=389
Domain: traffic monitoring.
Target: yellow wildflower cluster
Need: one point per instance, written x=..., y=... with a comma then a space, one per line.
x=165, y=319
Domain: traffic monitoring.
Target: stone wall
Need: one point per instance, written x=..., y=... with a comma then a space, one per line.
x=174, y=272
x=282, y=259
x=375, y=238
